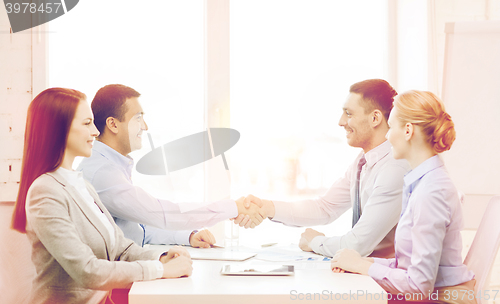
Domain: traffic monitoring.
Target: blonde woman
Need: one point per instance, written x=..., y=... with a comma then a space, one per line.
x=428, y=264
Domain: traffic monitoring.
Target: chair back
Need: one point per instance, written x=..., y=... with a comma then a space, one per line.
x=484, y=248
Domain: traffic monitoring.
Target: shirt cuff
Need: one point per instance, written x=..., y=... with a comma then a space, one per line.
x=151, y=270
x=317, y=244
x=384, y=262
x=159, y=269
x=182, y=237
x=157, y=254
x=378, y=271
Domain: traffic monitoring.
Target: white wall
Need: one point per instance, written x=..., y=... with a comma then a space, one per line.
x=22, y=77
x=453, y=11
x=15, y=95
x=420, y=38
x=18, y=52
x=411, y=40
x=468, y=125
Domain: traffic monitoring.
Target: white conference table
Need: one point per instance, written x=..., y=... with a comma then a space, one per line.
x=313, y=282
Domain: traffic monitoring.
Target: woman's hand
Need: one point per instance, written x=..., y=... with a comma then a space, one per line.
x=173, y=253
x=180, y=266
x=350, y=260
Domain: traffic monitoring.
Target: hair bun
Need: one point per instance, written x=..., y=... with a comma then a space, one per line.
x=444, y=133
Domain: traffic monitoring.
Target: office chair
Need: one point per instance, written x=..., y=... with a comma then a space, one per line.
x=484, y=248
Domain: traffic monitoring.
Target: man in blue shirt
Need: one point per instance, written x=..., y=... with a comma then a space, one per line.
x=144, y=219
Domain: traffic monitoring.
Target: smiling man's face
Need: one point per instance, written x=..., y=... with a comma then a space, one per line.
x=135, y=124
x=356, y=122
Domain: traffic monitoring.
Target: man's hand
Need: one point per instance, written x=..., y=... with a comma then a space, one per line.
x=174, y=252
x=202, y=239
x=254, y=212
x=180, y=266
x=307, y=237
x=267, y=207
x=350, y=260
x=244, y=220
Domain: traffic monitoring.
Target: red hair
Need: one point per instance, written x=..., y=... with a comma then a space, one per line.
x=48, y=122
x=426, y=110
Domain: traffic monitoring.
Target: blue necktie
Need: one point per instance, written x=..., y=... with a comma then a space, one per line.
x=356, y=209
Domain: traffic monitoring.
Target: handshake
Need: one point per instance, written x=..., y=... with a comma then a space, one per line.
x=252, y=211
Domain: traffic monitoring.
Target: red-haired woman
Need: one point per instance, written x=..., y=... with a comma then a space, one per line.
x=428, y=264
x=78, y=251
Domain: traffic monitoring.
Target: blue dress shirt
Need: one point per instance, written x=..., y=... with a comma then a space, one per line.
x=143, y=218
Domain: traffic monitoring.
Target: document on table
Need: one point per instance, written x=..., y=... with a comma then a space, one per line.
x=219, y=254
x=286, y=253
x=216, y=254
x=289, y=253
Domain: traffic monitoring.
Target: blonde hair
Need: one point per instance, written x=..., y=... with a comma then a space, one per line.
x=427, y=111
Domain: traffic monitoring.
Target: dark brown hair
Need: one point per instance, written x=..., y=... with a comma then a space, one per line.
x=377, y=94
x=109, y=101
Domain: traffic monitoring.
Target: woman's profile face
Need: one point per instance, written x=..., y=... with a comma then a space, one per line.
x=396, y=136
x=82, y=131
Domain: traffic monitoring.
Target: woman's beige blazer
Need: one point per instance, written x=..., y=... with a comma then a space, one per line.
x=71, y=250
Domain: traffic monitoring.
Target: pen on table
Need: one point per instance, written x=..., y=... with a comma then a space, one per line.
x=268, y=244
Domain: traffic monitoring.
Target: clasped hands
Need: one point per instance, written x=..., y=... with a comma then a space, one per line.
x=351, y=261
x=252, y=211
x=176, y=263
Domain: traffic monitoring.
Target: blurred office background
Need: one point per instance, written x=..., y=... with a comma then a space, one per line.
x=277, y=71
x=290, y=67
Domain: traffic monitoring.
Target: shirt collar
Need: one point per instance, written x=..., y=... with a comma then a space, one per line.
x=113, y=155
x=377, y=153
x=427, y=166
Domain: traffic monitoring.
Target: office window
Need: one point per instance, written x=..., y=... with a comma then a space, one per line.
x=292, y=63
x=155, y=47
